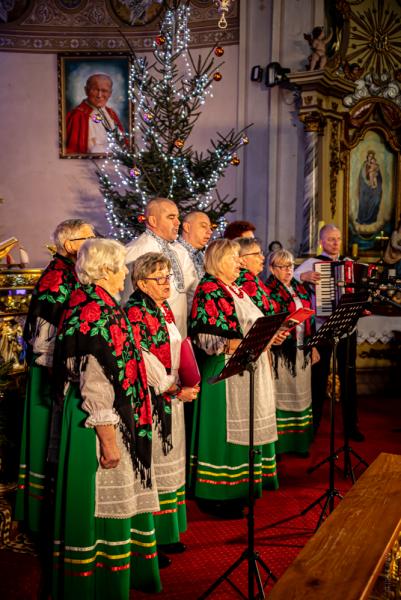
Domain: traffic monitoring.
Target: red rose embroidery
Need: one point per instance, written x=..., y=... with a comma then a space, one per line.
x=145, y=413
x=194, y=310
x=152, y=323
x=131, y=370
x=104, y=296
x=118, y=338
x=126, y=384
x=212, y=321
x=84, y=327
x=211, y=308
x=168, y=315
x=250, y=287
x=91, y=312
x=136, y=330
x=163, y=354
x=51, y=281
x=77, y=296
x=225, y=306
x=209, y=286
x=232, y=324
x=134, y=314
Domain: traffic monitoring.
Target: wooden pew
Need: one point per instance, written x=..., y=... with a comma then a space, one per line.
x=346, y=555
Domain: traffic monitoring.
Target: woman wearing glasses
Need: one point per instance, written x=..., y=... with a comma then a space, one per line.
x=154, y=329
x=292, y=365
x=104, y=541
x=252, y=259
x=222, y=314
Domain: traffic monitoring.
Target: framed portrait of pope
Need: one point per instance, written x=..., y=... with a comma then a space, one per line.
x=93, y=103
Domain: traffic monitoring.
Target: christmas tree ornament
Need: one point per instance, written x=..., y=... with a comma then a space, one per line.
x=148, y=117
x=135, y=172
x=141, y=218
x=244, y=140
x=217, y=76
x=179, y=143
x=235, y=160
x=219, y=51
x=160, y=40
x=96, y=118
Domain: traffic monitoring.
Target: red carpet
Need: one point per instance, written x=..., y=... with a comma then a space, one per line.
x=213, y=545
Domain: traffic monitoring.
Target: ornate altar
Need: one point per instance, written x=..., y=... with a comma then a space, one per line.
x=351, y=111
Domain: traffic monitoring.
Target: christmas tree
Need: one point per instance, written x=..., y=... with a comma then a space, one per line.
x=167, y=96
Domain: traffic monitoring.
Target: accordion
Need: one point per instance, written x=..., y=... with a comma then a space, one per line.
x=337, y=278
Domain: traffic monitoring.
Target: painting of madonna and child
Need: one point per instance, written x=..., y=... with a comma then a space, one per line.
x=94, y=102
x=372, y=193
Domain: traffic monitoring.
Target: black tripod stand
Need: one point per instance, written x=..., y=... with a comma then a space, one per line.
x=244, y=359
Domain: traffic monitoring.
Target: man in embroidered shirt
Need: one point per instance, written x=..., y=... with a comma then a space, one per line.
x=87, y=124
x=196, y=233
x=162, y=224
x=330, y=238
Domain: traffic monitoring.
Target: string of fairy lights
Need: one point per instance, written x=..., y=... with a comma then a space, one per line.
x=150, y=87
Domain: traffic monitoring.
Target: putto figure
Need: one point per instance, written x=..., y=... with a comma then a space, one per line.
x=318, y=43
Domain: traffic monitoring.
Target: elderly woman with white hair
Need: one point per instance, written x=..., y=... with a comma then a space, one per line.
x=49, y=299
x=154, y=328
x=104, y=539
x=292, y=365
x=221, y=316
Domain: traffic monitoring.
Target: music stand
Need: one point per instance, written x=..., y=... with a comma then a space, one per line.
x=244, y=359
x=340, y=323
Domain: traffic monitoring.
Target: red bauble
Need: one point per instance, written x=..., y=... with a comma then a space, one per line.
x=160, y=40
x=235, y=160
x=217, y=76
x=219, y=51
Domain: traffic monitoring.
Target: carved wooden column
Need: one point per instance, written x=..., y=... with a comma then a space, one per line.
x=314, y=124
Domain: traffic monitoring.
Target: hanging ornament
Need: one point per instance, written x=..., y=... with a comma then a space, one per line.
x=141, y=218
x=223, y=7
x=219, y=51
x=179, y=143
x=217, y=76
x=160, y=40
x=96, y=118
x=148, y=117
x=244, y=140
x=135, y=172
x=235, y=160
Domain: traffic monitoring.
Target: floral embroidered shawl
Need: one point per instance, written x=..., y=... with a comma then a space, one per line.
x=51, y=294
x=95, y=324
x=213, y=310
x=284, y=300
x=149, y=326
x=258, y=292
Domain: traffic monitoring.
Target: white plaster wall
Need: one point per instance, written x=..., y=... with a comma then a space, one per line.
x=38, y=188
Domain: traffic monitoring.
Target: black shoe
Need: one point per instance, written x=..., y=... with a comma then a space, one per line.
x=176, y=548
x=164, y=560
x=356, y=436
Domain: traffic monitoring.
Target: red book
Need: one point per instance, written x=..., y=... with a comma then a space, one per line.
x=296, y=318
x=189, y=371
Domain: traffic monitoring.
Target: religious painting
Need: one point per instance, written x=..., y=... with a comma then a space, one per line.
x=93, y=103
x=372, y=194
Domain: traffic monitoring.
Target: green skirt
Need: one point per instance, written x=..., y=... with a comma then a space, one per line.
x=295, y=431
x=220, y=470
x=33, y=482
x=93, y=558
x=171, y=520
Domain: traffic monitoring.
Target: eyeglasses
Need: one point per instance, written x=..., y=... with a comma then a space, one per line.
x=286, y=267
x=89, y=237
x=253, y=254
x=159, y=280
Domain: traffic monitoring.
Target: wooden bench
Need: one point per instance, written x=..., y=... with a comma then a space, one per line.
x=344, y=558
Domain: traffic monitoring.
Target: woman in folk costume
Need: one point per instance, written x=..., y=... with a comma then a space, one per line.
x=292, y=365
x=252, y=259
x=221, y=316
x=49, y=299
x=104, y=540
x=154, y=329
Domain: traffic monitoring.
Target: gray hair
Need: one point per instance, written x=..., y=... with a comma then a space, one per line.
x=246, y=244
x=96, y=256
x=215, y=253
x=66, y=230
x=327, y=228
x=147, y=264
x=280, y=255
x=102, y=75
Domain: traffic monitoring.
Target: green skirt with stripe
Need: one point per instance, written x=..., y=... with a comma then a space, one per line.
x=220, y=470
x=171, y=520
x=295, y=431
x=93, y=558
x=33, y=481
